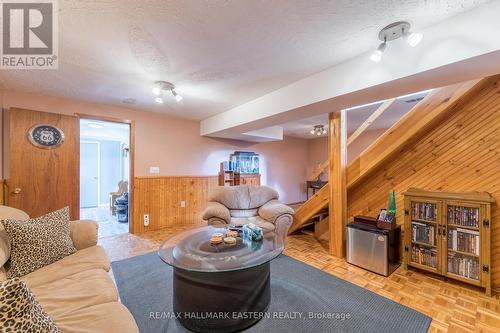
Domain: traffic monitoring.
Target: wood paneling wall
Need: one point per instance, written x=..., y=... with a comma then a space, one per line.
x=161, y=197
x=1, y=192
x=461, y=154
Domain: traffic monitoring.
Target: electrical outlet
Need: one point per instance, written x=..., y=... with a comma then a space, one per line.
x=154, y=170
x=146, y=220
x=183, y=204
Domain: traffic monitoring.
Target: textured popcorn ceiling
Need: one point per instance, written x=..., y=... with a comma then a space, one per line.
x=220, y=54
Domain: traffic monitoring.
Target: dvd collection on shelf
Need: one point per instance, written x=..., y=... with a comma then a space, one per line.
x=424, y=211
x=449, y=234
x=463, y=266
x=423, y=256
x=464, y=240
x=423, y=233
x=464, y=216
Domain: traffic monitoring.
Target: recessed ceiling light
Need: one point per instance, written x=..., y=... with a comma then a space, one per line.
x=95, y=125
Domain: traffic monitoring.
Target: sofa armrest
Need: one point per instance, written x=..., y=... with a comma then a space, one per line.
x=218, y=211
x=83, y=233
x=273, y=209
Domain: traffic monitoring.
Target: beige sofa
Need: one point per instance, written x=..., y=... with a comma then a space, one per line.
x=245, y=204
x=77, y=291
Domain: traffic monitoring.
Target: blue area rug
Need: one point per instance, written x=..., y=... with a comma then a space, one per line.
x=303, y=299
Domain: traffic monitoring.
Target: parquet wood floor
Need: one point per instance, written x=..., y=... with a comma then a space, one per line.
x=454, y=307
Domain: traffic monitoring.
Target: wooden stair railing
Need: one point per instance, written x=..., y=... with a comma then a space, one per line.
x=305, y=212
x=361, y=129
x=425, y=116
x=318, y=171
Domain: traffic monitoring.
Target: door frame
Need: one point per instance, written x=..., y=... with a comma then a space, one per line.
x=131, y=123
x=98, y=169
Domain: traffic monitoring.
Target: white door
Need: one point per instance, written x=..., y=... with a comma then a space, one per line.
x=89, y=174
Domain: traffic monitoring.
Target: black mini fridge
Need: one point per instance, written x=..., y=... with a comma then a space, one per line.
x=372, y=248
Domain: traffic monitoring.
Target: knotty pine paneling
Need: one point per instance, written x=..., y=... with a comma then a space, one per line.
x=461, y=154
x=161, y=197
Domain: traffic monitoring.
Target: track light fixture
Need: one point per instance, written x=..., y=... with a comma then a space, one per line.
x=161, y=87
x=379, y=52
x=318, y=130
x=394, y=31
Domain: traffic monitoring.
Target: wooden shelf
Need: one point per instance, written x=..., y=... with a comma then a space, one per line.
x=465, y=279
x=422, y=266
x=464, y=253
x=423, y=244
x=236, y=178
x=462, y=226
x=423, y=221
x=466, y=205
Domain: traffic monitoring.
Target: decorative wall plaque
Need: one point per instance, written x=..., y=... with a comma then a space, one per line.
x=46, y=136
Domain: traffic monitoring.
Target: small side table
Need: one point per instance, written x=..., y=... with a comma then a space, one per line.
x=315, y=185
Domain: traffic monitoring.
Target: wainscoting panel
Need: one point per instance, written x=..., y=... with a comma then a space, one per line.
x=461, y=154
x=161, y=198
x=1, y=192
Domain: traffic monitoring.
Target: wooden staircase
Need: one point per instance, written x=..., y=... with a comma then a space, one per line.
x=424, y=117
x=310, y=208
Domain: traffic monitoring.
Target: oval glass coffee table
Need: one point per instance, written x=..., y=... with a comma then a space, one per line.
x=220, y=288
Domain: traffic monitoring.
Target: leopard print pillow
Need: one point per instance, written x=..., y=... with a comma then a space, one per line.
x=38, y=242
x=21, y=312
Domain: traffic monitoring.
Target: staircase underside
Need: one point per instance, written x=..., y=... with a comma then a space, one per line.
x=423, y=118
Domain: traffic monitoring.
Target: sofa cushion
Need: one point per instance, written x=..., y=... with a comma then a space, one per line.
x=3, y=274
x=101, y=318
x=257, y=220
x=20, y=311
x=89, y=258
x=12, y=214
x=83, y=233
x=243, y=212
x=75, y=292
x=4, y=247
x=38, y=242
x=9, y=213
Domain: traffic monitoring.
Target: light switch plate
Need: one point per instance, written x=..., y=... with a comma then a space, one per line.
x=183, y=203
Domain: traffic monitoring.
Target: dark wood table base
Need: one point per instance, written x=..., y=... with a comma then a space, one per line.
x=221, y=301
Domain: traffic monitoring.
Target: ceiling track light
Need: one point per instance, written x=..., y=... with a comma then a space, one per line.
x=318, y=130
x=159, y=89
x=394, y=31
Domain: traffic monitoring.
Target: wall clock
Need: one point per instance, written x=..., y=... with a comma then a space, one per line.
x=46, y=136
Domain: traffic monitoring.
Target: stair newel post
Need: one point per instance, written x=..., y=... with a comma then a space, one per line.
x=337, y=155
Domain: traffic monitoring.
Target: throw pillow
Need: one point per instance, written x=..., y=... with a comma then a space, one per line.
x=38, y=242
x=20, y=311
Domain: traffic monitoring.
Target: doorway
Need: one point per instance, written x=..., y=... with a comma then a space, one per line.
x=105, y=174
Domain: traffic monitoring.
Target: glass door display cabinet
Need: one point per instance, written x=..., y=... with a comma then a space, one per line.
x=449, y=234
